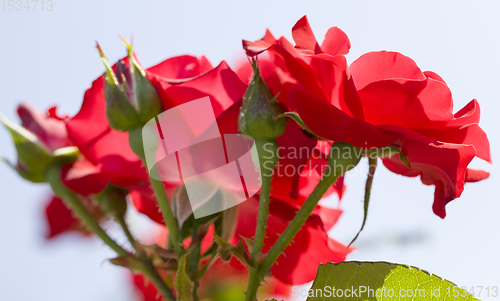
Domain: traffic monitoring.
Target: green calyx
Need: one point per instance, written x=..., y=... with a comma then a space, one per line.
x=113, y=200
x=342, y=158
x=147, y=100
x=260, y=110
x=131, y=98
x=34, y=157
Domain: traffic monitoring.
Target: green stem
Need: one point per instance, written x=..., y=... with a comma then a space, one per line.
x=338, y=166
x=71, y=199
x=148, y=268
x=194, y=261
x=297, y=222
x=168, y=216
x=150, y=271
x=287, y=236
x=207, y=266
x=372, y=166
x=121, y=220
x=136, y=144
x=267, y=165
x=260, y=231
x=53, y=176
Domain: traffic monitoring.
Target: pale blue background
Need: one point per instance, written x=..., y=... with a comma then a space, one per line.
x=49, y=58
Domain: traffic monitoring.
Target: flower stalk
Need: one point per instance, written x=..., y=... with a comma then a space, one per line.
x=338, y=165
x=53, y=176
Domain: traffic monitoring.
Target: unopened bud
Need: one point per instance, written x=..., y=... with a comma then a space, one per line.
x=113, y=200
x=145, y=97
x=122, y=115
x=131, y=98
x=259, y=110
x=34, y=155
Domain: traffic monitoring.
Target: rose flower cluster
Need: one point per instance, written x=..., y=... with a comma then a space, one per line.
x=381, y=100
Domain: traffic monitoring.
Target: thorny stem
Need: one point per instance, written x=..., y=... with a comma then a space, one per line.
x=72, y=200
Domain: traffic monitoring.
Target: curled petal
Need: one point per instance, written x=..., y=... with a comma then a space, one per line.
x=382, y=65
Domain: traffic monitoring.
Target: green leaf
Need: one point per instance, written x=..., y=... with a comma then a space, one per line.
x=181, y=205
x=372, y=162
x=227, y=250
x=182, y=283
x=128, y=261
x=380, y=281
x=298, y=120
x=229, y=222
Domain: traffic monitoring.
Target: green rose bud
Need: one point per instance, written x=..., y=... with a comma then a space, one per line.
x=35, y=156
x=131, y=98
x=260, y=110
x=113, y=200
x=258, y=119
x=144, y=94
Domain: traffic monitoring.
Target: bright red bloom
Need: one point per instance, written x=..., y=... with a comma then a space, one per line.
x=177, y=80
x=383, y=99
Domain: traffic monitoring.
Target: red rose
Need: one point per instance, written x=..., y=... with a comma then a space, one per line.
x=177, y=80
x=383, y=99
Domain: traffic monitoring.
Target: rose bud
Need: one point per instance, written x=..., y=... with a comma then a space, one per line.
x=40, y=141
x=113, y=200
x=131, y=98
x=259, y=110
x=258, y=119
